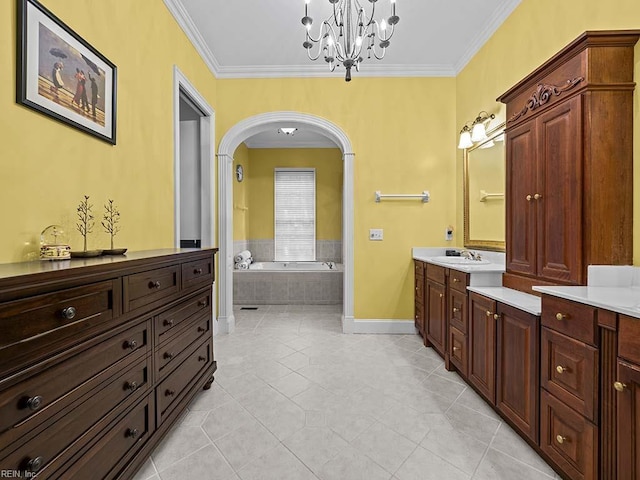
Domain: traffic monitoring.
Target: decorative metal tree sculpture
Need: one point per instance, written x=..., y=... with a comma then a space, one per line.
x=110, y=220
x=86, y=223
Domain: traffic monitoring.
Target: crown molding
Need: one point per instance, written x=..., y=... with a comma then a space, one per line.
x=180, y=14
x=279, y=143
x=491, y=26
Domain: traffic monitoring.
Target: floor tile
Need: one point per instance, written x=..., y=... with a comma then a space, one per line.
x=246, y=444
x=291, y=385
x=276, y=464
x=460, y=450
x=424, y=465
x=315, y=446
x=350, y=464
x=204, y=463
x=181, y=441
x=386, y=447
x=225, y=419
x=295, y=361
x=509, y=442
x=407, y=422
x=498, y=466
x=147, y=471
x=473, y=423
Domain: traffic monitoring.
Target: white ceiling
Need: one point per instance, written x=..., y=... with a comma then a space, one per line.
x=263, y=38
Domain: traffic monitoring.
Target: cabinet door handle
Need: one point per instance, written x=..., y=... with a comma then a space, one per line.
x=560, y=369
x=496, y=316
x=441, y=295
x=488, y=313
x=561, y=316
x=455, y=310
x=560, y=439
x=537, y=196
x=69, y=313
x=528, y=197
x=455, y=349
x=619, y=386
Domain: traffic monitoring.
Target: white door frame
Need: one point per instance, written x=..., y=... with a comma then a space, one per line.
x=231, y=140
x=207, y=171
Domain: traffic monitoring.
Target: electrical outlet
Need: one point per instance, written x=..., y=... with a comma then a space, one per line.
x=448, y=233
x=375, y=234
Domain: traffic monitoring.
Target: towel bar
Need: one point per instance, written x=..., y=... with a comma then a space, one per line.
x=424, y=196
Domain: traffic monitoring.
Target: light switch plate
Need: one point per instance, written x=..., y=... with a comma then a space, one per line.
x=376, y=234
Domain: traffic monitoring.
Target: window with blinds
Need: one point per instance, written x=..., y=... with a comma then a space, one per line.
x=295, y=214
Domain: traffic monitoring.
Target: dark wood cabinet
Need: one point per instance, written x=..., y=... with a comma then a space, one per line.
x=436, y=315
x=628, y=420
x=419, y=285
x=113, y=351
x=569, y=158
x=482, y=346
x=518, y=368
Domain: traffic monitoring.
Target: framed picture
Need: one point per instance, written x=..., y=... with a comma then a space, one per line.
x=61, y=75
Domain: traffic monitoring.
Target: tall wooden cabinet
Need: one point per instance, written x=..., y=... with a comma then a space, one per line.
x=569, y=158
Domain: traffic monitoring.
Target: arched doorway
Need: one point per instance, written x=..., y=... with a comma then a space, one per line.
x=231, y=140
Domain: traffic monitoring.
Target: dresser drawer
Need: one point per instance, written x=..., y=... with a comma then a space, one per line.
x=108, y=456
x=573, y=319
x=70, y=425
x=171, y=390
x=199, y=272
x=458, y=280
x=171, y=321
x=569, y=371
x=458, y=350
x=435, y=273
x=458, y=310
x=173, y=352
x=147, y=287
x=629, y=338
x=33, y=324
x=48, y=392
x=568, y=438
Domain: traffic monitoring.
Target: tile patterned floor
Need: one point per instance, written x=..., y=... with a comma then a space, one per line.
x=294, y=399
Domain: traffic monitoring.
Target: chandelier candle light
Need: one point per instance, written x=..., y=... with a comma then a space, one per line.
x=346, y=31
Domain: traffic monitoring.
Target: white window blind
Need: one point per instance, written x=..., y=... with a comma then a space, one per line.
x=295, y=214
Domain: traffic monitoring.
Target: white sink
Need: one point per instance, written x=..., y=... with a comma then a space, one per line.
x=460, y=260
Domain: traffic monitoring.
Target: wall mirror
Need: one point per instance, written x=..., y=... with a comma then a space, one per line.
x=484, y=188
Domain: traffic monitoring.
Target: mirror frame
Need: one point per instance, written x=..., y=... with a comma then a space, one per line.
x=494, y=245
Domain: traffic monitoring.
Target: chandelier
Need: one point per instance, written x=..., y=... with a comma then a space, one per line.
x=347, y=31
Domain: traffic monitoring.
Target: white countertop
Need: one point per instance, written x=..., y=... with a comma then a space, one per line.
x=496, y=259
x=614, y=288
x=520, y=300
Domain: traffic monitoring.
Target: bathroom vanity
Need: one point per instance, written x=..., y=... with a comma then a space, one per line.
x=99, y=357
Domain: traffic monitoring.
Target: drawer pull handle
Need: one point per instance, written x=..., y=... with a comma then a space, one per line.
x=35, y=464
x=155, y=284
x=132, y=386
x=169, y=393
x=168, y=355
x=34, y=403
x=202, y=359
x=496, y=316
x=132, y=432
x=441, y=295
x=561, y=316
x=69, y=313
x=537, y=196
x=488, y=313
x=455, y=310
x=132, y=344
x=560, y=369
x=201, y=329
x=560, y=439
x=202, y=303
x=619, y=386
x=455, y=349
x=168, y=323
x=197, y=271
x=456, y=280
x=528, y=197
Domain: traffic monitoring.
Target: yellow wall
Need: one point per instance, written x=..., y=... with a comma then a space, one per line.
x=535, y=31
x=241, y=194
x=47, y=166
x=403, y=132
x=328, y=165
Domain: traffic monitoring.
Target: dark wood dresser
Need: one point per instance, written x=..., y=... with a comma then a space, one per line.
x=99, y=357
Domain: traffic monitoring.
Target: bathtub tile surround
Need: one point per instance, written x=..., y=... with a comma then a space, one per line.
x=379, y=384
x=264, y=250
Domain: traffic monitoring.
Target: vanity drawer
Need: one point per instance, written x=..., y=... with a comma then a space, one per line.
x=33, y=324
x=106, y=458
x=197, y=272
x=419, y=289
x=570, y=371
x=458, y=350
x=629, y=338
x=435, y=273
x=568, y=438
x=173, y=352
x=46, y=393
x=147, y=287
x=573, y=319
x=458, y=280
x=458, y=310
x=418, y=267
x=172, y=320
x=50, y=442
x=172, y=388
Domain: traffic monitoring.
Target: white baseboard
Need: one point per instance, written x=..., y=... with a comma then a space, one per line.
x=347, y=324
x=394, y=327
x=226, y=324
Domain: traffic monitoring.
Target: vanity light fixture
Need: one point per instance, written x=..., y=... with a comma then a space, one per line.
x=479, y=132
x=465, y=137
x=287, y=130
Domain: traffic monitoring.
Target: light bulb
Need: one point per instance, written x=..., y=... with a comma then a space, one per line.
x=358, y=41
x=465, y=140
x=479, y=133
x=383, y=25
x=330, y=41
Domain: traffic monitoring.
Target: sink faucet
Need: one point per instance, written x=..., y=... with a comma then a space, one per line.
x=470, y=255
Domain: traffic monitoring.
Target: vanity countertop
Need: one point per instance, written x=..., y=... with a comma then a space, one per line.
x=614, y=288
x=520, y=300
x=495, y=265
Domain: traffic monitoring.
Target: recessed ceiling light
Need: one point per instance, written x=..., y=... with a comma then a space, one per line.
x=287, y=130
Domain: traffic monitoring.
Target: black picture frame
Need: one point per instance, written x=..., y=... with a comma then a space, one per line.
x=62, y=76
